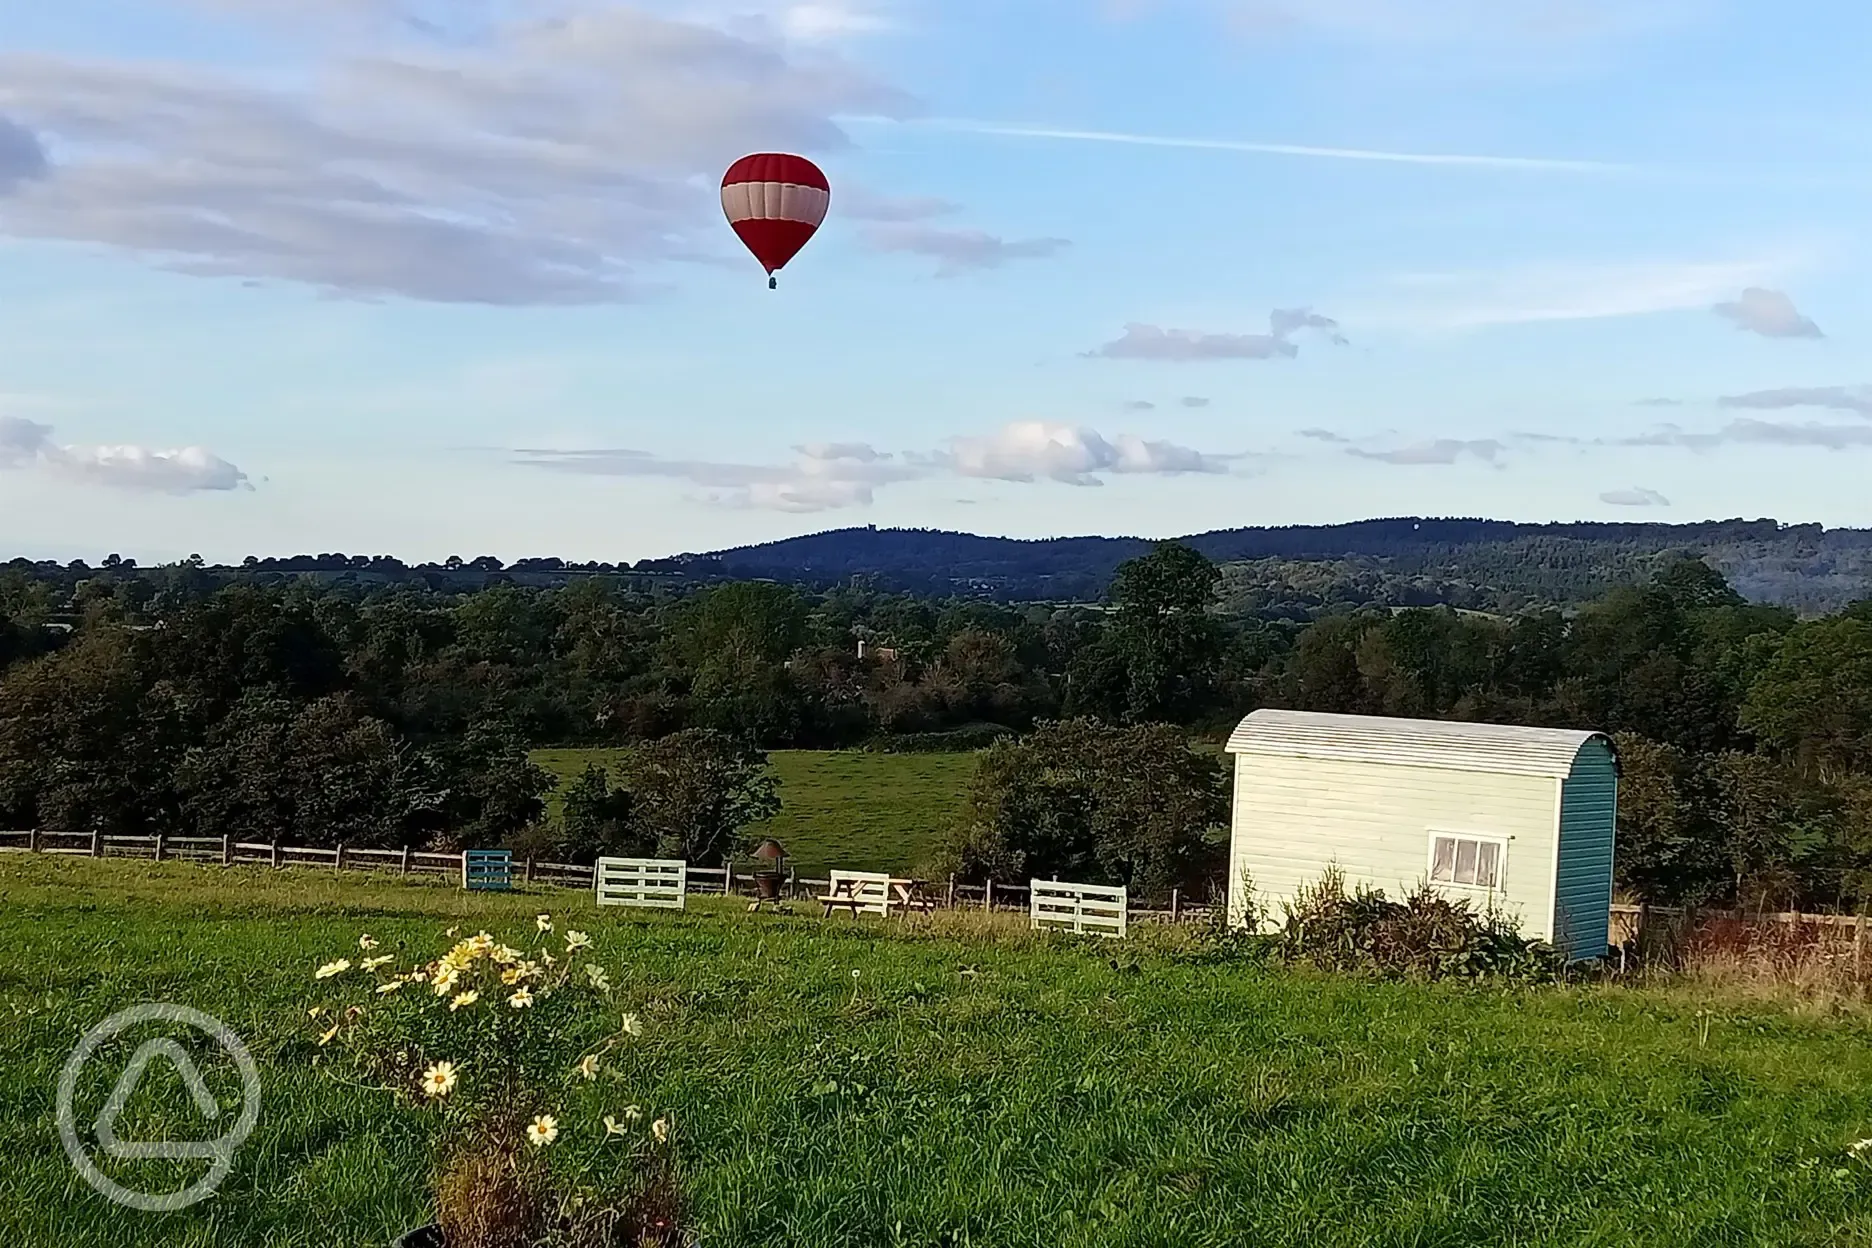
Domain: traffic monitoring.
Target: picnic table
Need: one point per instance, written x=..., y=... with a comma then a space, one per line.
x=901, y=894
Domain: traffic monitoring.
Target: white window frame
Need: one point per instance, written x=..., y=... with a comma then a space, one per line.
x=1497, y=839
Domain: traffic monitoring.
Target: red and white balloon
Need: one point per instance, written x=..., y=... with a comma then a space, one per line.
x=775, y=202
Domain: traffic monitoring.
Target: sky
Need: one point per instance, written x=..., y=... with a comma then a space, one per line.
x=433, y=277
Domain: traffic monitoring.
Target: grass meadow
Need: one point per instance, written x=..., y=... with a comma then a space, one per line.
x=840, y=808
x=971, y=1085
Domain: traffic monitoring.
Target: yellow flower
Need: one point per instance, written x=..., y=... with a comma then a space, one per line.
x=543, y=922
x=633, y=1026
x=530, y=970
x=661, y=1128
x=599, y=979
x=632, y=1113
x=613, y=1126
x=392, y=986
x=419, y=975
x=451, y=932
x=367, y=942
x=542, y=1131
x=521, y=999
x=439, y=1079
x=332, y=968
x=576, y=941
x=371, y=964
x=506, y=955
x=326, y=1038
x=588, y=1066
x=463, y=998
x=511, y=975
x=445, y=982
x=315, y=1011
x=548, y=959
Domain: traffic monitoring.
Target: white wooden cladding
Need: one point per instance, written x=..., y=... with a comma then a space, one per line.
x=1079, y=908
x=872, y=889
x=659, y=882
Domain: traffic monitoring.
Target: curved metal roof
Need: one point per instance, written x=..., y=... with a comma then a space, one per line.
x=1502, y=749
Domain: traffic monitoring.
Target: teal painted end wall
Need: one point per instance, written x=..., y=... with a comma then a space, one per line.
x=1588, y=827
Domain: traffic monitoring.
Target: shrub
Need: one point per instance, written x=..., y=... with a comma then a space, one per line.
x=1426, y=934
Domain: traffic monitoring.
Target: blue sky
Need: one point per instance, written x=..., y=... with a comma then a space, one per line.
x=427, y=278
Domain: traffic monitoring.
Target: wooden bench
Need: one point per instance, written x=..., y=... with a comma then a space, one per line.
x=909, y=895
x=860, y=892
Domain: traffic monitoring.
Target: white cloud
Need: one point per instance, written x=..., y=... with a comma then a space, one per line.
x=1636, y=496
x=1758, y=433
x=186, y=470
x=1152, y=342
x=549, y=159
x=1854, y=399
x=181, y=471
x=959, y=251
x=861, y=203
x=1438, y=451
x=1769, y=313
x=1561, y=292
x=22, y=157
x=22, y=440
x=1031, y=449
x=832, y=475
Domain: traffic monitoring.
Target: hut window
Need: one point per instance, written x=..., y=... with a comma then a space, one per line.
x=1474, y=861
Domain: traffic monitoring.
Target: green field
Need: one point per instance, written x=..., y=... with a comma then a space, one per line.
x=842, y=808
x=969, y=1086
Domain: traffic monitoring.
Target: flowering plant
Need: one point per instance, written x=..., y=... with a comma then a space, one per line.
x=506, y=1042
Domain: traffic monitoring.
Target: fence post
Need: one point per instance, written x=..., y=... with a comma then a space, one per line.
x=227, y=850
x=159, y=847
x=949, y=898
x=988, y=895
x=464, y=868
x=276, y=851
x=1858, y=942
x=529, y=869
x=1176, y=905
x=338, y=858
x=405, y=870
x=32, y=840
x=97, y=843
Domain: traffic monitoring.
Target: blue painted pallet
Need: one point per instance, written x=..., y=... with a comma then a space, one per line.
x=489, y=870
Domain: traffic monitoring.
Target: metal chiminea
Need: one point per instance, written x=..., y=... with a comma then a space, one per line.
x=772, y=874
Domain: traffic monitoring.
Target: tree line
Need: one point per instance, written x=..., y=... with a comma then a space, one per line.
x=169, y=699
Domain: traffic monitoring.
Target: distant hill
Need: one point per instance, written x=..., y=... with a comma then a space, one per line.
x=1295, y=571
x=1484, y=564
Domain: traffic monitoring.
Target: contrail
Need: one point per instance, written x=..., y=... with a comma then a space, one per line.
x=1270, y=149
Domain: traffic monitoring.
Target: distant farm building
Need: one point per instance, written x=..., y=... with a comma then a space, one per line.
x=1521, y=819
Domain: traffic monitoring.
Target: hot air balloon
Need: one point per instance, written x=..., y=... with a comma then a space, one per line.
x=775, y=202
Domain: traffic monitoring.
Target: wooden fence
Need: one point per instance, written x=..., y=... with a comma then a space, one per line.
x=717, y=881
x=1629, y=921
